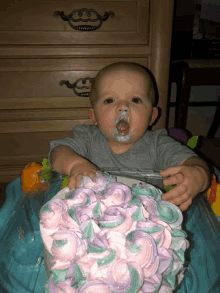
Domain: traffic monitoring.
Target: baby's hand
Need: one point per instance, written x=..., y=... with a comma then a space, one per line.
x=189, y=182
x=78, y=171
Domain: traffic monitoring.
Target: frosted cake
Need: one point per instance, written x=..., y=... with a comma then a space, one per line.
x=107, y=237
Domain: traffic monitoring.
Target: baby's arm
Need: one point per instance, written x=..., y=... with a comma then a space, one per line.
x=65, y=161
x=191, y=177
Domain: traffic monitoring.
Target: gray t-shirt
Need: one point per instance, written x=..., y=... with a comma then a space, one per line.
x=154, y=151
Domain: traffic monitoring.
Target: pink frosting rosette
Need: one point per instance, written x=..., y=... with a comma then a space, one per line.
x=152, y=284
x=124, y=276
x=117, y=241
x=87, y=266
x=153, y=274
x=170, y=213
x=116, y=219
x=94, y=286
x=150, y=204
x=66, y=245
x=162, y=238
x=51, y=214
x=141, y=248
x=146, y=190
x=149, y=225
x=152, y=269
x=83, y=213
x=116, y=194
x=80, y=196
x=99, y=240
x=67, y=223
x=59, y=288
x=179, y=240
x=165, y=260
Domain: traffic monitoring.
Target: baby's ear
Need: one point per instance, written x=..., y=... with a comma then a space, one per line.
x=92, y=116
x=154, y=115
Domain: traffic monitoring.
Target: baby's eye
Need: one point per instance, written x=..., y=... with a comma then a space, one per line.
x=136, y=100
x=108, y=101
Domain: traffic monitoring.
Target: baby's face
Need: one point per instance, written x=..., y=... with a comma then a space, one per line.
x=123, y=110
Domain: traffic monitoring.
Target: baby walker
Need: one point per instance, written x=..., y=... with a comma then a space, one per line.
x=22, y=260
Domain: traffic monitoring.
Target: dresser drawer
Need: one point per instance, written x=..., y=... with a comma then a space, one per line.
x=35, y=109
x=31, y=92
x=33, y=22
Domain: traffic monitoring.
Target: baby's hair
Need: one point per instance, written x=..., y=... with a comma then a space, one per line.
x=153, y=93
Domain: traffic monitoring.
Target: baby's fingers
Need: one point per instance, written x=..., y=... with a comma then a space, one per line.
x=179, y=196
x=184, y=206
x=92, y=174
x=175, y=195
x=174, y=179
x=72, y=183
x=76, y=179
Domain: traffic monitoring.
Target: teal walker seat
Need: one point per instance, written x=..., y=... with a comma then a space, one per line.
x=21, y=258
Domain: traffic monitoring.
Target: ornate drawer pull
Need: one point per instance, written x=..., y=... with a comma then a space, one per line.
x=79, y=13
x=74, y=85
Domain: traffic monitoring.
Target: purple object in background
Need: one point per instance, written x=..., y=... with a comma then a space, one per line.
x=179, y=134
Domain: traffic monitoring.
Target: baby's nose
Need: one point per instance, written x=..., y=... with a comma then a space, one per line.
x=123, y=108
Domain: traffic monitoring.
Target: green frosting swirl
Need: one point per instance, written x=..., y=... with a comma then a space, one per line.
x=150, y=191
x=88, y=231
x=171, y=280
x=60, y=243
x=95, y=249
x=178, y=233
x=87, y=201
x=71, y=214
x=111, y=225
x=135, y=280
x=108, y=259
x=138, y=215
x=130, y=235
x=180, y=254
x=153, y=230
x=97, y=210
x=59, y=275
x=133, y=248
x=79, y=278
x=134, y=201
x=167, y=212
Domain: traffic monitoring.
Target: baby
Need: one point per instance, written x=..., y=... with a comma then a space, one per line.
x=123, y=107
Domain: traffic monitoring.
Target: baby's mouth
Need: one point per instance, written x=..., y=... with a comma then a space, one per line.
x=123, y=127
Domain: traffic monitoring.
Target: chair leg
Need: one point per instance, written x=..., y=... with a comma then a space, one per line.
x=215, y=123
x=183, y=94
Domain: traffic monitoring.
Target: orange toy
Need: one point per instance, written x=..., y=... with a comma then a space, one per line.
x=31, y=181
x=213, y=195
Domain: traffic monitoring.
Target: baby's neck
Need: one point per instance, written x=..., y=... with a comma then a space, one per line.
x=119, y=148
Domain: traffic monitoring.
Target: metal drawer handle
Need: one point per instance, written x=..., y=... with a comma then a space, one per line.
x=78, y=13
x=76, y=87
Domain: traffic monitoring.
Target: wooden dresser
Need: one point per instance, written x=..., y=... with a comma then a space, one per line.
x=41, y=45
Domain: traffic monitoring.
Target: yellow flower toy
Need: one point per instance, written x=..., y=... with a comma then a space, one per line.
x=213, y=195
